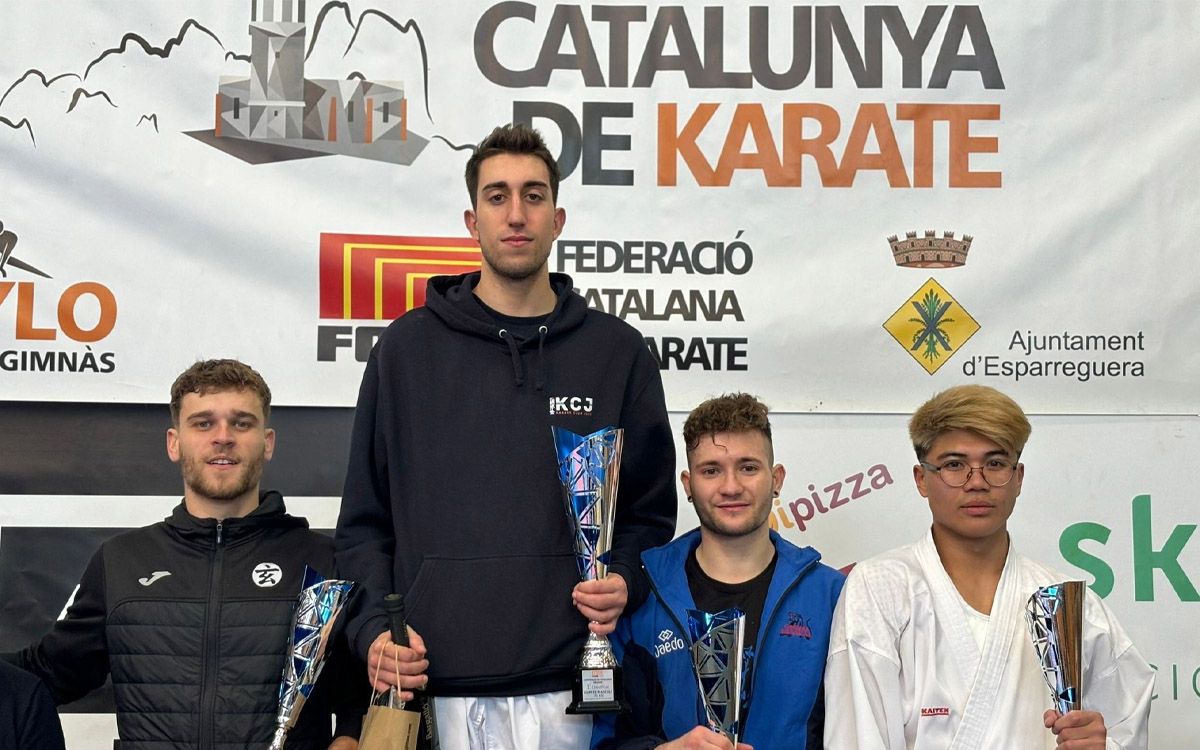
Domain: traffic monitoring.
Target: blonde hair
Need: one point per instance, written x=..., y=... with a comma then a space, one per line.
x=975, y=408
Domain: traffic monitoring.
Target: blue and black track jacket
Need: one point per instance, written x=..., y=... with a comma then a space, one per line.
x=783, y=686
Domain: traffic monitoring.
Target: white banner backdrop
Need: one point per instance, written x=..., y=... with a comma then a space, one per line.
x=741, y=186
x=732, y=189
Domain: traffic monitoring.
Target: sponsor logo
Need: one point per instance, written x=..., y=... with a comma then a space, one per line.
x=1155, y=556
x=931, y=326
x=728, y=257
x=941, y=326
x=930, y=251
x=1078, y=356
x=797, y=626
x=571, y=406
x=379, y=278
x=935, y=711
x=259, y=118
x=156, y=575
x=8, y=243
x=668, y=642
x=266, y=574
x=797, y=513
x=86, y=314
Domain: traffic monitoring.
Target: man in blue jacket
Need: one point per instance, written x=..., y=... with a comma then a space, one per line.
x=733, y=560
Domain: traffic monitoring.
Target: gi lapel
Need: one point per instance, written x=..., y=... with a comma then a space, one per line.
x=1005, y=622
x=947, y=606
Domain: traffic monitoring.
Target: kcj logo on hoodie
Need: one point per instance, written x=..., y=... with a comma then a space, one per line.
x=570, y=406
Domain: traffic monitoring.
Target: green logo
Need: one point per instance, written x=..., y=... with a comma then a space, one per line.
x=931, y=337
x=1146, y=559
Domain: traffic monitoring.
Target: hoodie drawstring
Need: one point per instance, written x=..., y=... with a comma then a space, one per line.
x=541, y=381
x=518, y=370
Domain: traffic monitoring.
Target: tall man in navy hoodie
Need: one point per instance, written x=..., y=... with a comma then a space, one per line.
x=733, y=560
x=452, y=494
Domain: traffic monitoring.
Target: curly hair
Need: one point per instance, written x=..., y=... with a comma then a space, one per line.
x=732, y=412
x=513, y=138
x=216, y=375
x=975, y=408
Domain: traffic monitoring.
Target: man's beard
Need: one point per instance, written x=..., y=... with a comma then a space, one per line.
x=248, y=476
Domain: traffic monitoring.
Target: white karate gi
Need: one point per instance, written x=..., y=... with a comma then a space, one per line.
x=904, y=670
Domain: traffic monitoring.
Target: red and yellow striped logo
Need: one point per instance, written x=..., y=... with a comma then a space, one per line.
x=381, y=277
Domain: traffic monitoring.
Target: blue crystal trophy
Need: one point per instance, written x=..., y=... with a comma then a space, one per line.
x=719, y=661
x=1055, y=617
x=317, y=607
x=588, y=468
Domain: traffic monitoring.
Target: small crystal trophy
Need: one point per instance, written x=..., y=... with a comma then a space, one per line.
x=719, y=661
x=317, y=607
x=1055, y=617
x=588, y=467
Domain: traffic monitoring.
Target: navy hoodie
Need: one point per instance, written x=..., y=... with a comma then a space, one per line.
x=452, y=494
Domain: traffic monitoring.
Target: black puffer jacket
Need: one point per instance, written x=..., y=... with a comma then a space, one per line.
x=192, y=618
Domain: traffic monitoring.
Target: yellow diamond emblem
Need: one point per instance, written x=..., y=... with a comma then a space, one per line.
x=931, y=326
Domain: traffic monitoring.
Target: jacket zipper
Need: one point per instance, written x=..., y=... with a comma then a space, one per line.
x=670, y=612
x=762, y=630
x=208, y=651
x=753, y=671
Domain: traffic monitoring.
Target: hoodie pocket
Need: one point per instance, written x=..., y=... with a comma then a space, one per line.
x=492, y=617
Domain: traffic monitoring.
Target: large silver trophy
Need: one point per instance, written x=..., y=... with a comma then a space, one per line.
x=588, y=467
x=317, y=607
x=1055, y=617
x=719, y=660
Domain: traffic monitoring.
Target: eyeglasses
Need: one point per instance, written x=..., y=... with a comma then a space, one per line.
x=996, y=471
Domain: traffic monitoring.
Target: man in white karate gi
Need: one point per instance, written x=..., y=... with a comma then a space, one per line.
x=929, y=648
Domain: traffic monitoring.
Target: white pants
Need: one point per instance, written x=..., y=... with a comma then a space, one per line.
x=523, y=722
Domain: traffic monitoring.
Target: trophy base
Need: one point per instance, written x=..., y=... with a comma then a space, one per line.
x=597, y=691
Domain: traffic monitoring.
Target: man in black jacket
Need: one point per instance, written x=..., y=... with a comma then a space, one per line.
x=191, y=616
x=452, y=494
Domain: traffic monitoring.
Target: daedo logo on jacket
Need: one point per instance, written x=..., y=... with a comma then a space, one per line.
x=667, y=642
x=570, y=406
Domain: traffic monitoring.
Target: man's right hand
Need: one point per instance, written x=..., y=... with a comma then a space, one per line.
x=703, y=738
x=386, y=662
